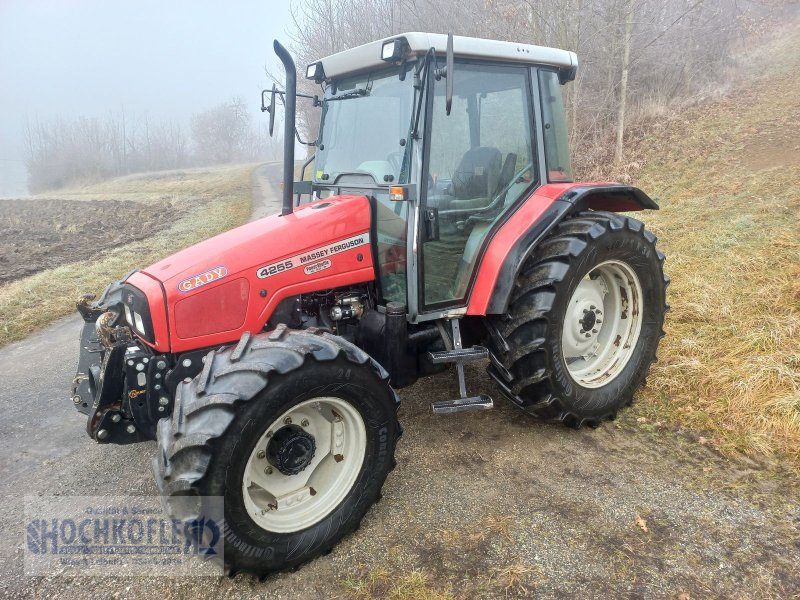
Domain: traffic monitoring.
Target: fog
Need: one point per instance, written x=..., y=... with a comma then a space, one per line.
x=165, y=60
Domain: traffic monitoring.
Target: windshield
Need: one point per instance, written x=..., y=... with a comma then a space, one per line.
x=365, y=129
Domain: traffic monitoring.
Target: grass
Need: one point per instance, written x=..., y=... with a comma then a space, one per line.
x=381, y=583
x=219, y=199
x=728, y=177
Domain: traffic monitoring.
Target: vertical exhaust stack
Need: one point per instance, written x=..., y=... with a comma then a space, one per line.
x=290, y=99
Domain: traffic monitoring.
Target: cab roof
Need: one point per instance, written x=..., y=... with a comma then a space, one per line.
x=368, y=56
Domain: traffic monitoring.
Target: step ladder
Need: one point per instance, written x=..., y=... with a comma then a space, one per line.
x=460, y=356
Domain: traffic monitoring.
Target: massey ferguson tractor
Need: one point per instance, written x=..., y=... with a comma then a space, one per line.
x=441, y=225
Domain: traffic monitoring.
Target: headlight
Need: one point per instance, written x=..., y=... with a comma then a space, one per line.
x=316, y=72
x=137, y=311
x=139, y=324
x=394, y=50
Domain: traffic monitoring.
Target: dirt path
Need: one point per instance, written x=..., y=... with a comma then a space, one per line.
x=481, y=505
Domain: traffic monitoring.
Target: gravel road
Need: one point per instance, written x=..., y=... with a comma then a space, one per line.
x=481, y=505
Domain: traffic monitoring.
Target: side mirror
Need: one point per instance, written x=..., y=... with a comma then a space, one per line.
x=272, y=109
x=447, y=73
x=448, y=103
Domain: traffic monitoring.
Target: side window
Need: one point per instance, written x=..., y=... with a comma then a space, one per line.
x=480, y=162
x=554, y=120
x=391, y=221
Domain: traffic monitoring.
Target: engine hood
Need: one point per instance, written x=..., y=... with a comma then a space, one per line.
x=231, y=283
x=269, y=238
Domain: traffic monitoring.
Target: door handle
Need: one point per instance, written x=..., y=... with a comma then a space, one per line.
x=431, y=218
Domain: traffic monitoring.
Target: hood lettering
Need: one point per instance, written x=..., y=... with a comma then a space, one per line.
x=313, y=255
x=201, y=279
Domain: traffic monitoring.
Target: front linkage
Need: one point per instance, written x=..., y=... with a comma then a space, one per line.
x=121, y=385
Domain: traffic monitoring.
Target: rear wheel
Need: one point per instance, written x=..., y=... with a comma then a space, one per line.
x=296, y=430
x=584, y=321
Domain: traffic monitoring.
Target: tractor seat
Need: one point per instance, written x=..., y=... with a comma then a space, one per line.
x=476, y=177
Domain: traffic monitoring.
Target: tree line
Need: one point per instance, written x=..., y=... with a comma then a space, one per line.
x=61, y=152
x=636, y=57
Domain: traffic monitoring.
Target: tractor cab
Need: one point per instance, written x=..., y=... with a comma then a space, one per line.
x=446, y=136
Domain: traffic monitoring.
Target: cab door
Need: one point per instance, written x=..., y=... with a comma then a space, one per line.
x=479, y=162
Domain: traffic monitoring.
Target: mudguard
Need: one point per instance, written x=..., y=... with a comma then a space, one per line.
x=530, y=223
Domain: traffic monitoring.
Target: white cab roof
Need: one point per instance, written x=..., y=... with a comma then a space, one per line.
x=368, y=56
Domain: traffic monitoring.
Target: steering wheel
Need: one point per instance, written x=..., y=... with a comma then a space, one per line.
x=395, y=160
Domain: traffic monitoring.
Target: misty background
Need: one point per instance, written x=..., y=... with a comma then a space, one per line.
x=91, y=90
x=67, y=64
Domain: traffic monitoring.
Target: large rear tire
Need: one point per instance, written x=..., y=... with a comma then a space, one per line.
x=296, y=430
x=583, y=322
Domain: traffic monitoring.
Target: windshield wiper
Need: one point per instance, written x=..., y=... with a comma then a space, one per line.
x=420, y=79
x=357, y=93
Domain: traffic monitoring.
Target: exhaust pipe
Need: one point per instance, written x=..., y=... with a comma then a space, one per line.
x=289, y=98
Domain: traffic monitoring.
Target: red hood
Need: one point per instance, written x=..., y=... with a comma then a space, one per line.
x=265, y=240
x=220, y=288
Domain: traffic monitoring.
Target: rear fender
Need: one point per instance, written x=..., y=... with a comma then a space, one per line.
x=521, y=233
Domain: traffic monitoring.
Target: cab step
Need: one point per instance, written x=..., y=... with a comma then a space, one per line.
x=445, y=407
x=459, y=355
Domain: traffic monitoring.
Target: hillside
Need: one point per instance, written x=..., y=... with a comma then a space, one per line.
x=727, y=175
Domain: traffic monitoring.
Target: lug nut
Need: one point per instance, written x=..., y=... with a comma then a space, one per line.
x=161, y=365
x=261, y=454
x=76, y=399
x=116, y=418
x=102, y=434
x=268, y=470
x=594, y=330
x=130, y=428
x=287, y=421
x=163, y=401
x=304, y=423
x=161, y=409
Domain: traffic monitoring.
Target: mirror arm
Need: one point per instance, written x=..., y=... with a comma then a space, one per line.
x=297, y=135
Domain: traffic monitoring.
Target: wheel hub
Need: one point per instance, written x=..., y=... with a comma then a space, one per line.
x=588, y=320
x=602, y=323
x=291, y=449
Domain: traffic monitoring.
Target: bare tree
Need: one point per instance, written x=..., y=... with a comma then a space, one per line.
x=634, y=54
x=623, y=84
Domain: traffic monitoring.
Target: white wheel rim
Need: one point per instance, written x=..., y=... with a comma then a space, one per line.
x=287, y=503
x=602, y=324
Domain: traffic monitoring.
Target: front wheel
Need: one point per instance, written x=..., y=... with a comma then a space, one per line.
x=295, y=430
x=584, y=321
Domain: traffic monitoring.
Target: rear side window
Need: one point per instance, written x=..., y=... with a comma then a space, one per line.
x=554, y=121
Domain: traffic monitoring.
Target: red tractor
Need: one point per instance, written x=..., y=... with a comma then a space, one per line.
x=441, y=226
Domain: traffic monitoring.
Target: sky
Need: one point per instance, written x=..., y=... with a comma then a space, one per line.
x=167, y=59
